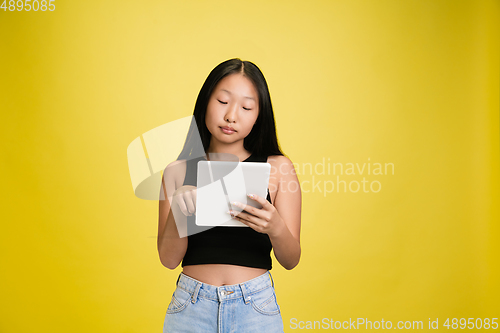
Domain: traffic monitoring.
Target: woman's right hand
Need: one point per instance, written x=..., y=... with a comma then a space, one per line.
x=184, y=199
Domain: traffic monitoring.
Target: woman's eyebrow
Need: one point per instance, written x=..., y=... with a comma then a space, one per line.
x=243, y=96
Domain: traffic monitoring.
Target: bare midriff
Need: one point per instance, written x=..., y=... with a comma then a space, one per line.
x=221, y=275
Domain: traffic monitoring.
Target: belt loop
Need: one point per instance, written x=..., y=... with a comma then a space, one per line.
x=271, y=278
x=246, y=297
x=177, y=282
x=195, y=294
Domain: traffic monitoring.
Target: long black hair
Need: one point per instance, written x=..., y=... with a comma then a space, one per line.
x=261, y=141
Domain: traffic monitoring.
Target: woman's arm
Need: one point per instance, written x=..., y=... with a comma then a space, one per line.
x=171, y=246
x=288, y=203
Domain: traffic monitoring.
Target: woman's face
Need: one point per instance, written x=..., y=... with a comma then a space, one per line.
x=232, y=109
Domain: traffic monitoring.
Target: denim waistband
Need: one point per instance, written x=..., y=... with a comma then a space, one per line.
x=227, y=292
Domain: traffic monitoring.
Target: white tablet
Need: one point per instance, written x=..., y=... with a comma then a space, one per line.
x=221, y=182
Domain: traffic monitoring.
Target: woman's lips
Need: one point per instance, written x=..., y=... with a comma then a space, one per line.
x=227, y=130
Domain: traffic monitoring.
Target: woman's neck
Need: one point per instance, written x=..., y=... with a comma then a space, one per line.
x=240, y=152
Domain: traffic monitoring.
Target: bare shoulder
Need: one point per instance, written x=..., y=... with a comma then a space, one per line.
x=279, y=159
x=177, y=164
x=281, y=164
x=175, y=172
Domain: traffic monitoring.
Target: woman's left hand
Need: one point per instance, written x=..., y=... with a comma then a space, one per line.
x=266, y=220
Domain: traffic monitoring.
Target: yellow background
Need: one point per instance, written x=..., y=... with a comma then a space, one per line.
x=414, y=83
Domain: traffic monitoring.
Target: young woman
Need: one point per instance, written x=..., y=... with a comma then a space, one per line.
x=225, y=285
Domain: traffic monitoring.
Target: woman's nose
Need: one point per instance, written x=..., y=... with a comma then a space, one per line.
x=231, y=113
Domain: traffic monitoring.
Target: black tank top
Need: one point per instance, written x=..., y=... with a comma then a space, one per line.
x=240, y=246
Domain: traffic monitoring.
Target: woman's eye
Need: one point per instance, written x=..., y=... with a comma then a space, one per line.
x=248, y=109
x=222, y=102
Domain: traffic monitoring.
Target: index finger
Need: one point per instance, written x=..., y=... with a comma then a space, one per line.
x=194, y=193
x=263, y=202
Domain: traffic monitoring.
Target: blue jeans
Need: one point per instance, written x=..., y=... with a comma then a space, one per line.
x=250, y=306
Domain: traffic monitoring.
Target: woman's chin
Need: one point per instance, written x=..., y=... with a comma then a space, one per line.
x=227, y=139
